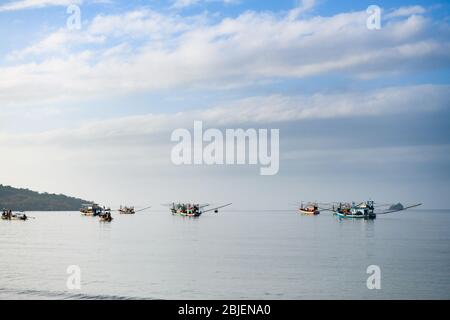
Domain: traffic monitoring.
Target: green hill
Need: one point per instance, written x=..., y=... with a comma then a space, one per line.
x=27, y=200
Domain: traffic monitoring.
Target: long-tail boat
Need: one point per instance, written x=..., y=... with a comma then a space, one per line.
x=127, y=210
x=9, y=215
x=311, y=209
x=192, y=210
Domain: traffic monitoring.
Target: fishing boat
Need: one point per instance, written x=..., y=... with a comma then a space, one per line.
x=127, y=210
x=311, y=209
x=364, y=210
x=106, y=216
x=9, y=215
x=186, y=210
x=91, y=210
x=130, y=210
x=16, y=218
x=192, y=210
x=106, y=219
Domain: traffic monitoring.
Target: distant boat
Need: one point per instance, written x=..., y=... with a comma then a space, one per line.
x=364, y=210
x=187, y=210
x=192, y=210
x=311, y=209
x=91, y=210
x=9, y=215
x=130, y=210
x=106, y=219
x=127, y=210
x=106, y=216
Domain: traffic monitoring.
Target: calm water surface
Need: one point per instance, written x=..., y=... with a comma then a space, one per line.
x=233, y=255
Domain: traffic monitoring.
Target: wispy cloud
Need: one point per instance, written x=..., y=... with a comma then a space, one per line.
x=302, y=7
x=259, y=110
x=30, y=4
x=406, y=11
x=180, y=4
x=170, y=51
x=184, y=3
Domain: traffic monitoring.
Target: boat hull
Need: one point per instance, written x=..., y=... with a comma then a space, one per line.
x=89, y=214
x=309, y=213
x=14, y=219
x=185, y=214
x=355, y=216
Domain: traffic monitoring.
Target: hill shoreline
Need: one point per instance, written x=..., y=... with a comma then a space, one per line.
x=19, y=199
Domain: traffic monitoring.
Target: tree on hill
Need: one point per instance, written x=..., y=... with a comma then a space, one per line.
x=27, y=200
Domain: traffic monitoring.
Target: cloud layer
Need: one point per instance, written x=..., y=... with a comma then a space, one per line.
x=262, y=111
x=145, y=51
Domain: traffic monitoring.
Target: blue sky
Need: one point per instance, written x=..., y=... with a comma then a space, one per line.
x=364, y=109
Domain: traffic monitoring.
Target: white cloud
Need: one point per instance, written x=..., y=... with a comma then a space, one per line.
x=184, y=3
x=58, y=42
x=372, y=156
x=302, y=7
x=278, y=108
x=171, y=51
x=406, y=11
x=260, y=111
x=143, y=23
x=30, y=4
x=180, y=4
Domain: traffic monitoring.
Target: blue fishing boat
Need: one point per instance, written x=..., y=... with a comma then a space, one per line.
x=364, y=210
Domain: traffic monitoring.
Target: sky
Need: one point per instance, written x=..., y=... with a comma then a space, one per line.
x=362, y=113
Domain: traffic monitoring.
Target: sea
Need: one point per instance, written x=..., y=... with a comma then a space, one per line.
x=230, y=255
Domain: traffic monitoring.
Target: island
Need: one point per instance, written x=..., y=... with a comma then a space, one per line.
x=397, y=206
x=26, y=200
